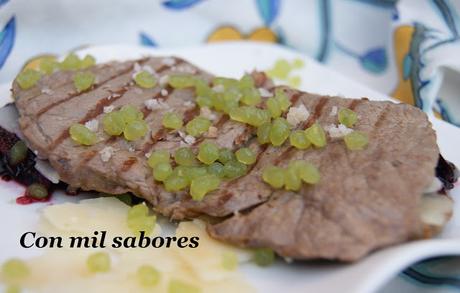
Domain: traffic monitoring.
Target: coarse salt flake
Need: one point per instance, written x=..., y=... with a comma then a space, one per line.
x=265, y=93
x=334, y=111
x=92, y=125
x=297, y=115
x=108, y=109
x=338, y=131
x=155, y=104
x=106, y=153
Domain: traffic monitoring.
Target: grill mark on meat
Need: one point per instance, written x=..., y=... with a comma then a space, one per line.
x=96, y=111
x=112, y=139
x=295, y=97
x=128, y=164
x=354, y=104
x=263, y=148
x=77, y=94
x=190, y=114
x=158, y=136
x=316, y=112
x=158, y=96
x=381, y=118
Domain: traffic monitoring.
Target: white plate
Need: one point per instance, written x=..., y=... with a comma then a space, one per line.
x=232, y=59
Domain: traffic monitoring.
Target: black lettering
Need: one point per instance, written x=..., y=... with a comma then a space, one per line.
x=77, y=241
x=143, y=241
x=102, y=242
x=116, y=242
x=194, y=242
x=182, y=242
x=129, y=242
x=169, y=240
x=23, y=239
x=154, y=242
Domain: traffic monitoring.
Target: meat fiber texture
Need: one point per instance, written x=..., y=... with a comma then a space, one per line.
x=365, y=200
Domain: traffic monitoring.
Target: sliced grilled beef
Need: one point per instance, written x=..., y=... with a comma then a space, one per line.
x=365, y=200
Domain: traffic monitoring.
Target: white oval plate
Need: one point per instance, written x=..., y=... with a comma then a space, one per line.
x=233, y=59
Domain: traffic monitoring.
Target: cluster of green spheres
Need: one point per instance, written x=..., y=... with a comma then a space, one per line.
x=292, y=176
x=201, y=172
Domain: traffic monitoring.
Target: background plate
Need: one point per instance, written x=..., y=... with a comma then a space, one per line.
x=233, y=59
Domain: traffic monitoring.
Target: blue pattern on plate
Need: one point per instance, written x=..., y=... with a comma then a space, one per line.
x=146, y=40
x=268, y=10
x=7, y=36
x=180, y=4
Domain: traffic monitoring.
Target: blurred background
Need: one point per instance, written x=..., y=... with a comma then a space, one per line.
x=408, y=49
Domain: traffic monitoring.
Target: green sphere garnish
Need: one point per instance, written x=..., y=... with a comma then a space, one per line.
x=204, y=101
x=17, y=153
x=246, y=82
x=281, y=69
x=162, y=171
x=263, y=257
x=202, y=185
x=135, y=130
x=234, y=169
x=226, y=155
x=176, y=286
x=229, y=260
x=15, y=270
x=145, y=80
x=130, y=114
x=193, y=172
x=184, y=156
x=250, y=115
x=316, y=135
x=226, y=82
x=282, y=99
x=308, y=173
x=274, y=176
x=37, y=190
x=217, y=169
x=246, y=156
x=295, y=81
x=98, y=262
x=71, y=62
x=208, y=152
x=83, y=80
x=113, y=123
x=82, y=135
x=357, y=140
x=87, y=62
x=292, y=179
x=48, y=65
x=180, y=81
x=172, y=120
x=274, y=107
x=299, y=140
x=138, y=219
x=263, y=133
x=279, y=131
x=139, y=210
x=197, y=126
x=298, y=63
x=347, y=117
x=159, y=156
x=175, y=183
x=28, y=78
x=148, y=276
x=251, y=96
